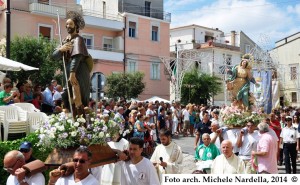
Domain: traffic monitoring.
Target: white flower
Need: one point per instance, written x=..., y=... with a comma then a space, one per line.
x=92, y=119
x=101, y=134
x=76, y=124
x=81, y=120
x=51, y=135
x=113, y=124
x=73, y=134
x=41, y=130
x=69, y=121
x=107, y=135
x=104, y=128
x=51, y=120
x=53, y=130
x=57, y=124
x=61, y=128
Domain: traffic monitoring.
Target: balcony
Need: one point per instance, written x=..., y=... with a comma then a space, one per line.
x=103, y=20
x=37, y=7
x=142, y=10
x=103, y=53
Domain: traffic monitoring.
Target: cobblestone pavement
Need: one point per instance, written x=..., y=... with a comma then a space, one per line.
x=187, y=146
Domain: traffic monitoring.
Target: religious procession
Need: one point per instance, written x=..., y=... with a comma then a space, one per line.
x=61, y=125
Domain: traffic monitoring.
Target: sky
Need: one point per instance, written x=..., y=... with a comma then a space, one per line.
x=264, y=21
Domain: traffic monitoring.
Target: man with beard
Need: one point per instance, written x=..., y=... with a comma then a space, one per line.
x=78, y=67
x=81, y=158
x=167, y=157
x=138, y=170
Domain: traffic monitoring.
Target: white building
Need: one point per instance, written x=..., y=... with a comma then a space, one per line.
x=287, y=53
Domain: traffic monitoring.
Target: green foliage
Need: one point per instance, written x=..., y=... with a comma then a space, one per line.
x=198, y=87
x=7, y=146
x=36, y=52
x=128, y=85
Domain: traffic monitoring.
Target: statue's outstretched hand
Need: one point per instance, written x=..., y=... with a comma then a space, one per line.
x=66, y=47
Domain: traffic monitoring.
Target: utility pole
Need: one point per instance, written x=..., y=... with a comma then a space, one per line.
x=8, y=29
x=177, y=74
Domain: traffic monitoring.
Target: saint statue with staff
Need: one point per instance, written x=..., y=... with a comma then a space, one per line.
x=78, y=65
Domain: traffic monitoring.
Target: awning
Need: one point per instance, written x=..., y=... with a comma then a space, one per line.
x=10, y=65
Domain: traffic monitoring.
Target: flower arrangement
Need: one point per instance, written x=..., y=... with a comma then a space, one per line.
x=233, y=117
x=60, y=131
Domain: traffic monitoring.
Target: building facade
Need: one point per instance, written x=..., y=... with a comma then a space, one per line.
x=118, y=40
x=210, y=53
x=286, y=52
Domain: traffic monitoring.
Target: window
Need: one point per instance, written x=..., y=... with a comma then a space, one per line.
x=132, y=29
x=45, y=31
x=155, y=71
x=43, y=1
x=107, y=44
x=247, y=48
x=154, y=33
x=198, y=65
x=147, y=8
x=88, y=39
x=293, y=73
x=131, y=66
x=294, y=97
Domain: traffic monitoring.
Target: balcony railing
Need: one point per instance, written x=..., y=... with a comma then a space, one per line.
x=102, y=48
x=142, y=10
x=43, y=7
x=113, y=17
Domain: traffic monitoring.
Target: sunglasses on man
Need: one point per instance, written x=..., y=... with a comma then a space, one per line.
x=81, y=161
x=24, y=150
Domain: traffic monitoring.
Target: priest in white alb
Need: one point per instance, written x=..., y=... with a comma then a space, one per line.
x=227, y=162
x=167, y=157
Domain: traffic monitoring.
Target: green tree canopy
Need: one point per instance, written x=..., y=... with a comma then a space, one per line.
x=198, y=87
x=128, y=85
x=36, y=52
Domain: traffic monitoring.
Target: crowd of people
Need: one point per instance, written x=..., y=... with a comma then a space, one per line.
x=146, y=150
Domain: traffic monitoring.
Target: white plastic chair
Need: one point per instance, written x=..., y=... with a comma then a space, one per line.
x=14, y=120
x=29, y=107
x=35, y=120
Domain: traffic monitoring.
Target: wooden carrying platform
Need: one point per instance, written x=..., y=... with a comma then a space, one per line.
x=102, y=154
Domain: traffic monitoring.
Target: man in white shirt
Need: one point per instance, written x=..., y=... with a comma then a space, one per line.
x=167, y=156
x=13, y=162
x=81, y=158
x=289, y=136
x=227, y=162
x=186, y=120
x=138, y=170
x=150, y=113
x=247, y=142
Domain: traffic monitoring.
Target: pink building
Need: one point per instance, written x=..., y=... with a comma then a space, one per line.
x=117, y=37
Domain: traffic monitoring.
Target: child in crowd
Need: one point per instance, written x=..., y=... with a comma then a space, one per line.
x=36, y=100
x=153, y=134
x=147, y=136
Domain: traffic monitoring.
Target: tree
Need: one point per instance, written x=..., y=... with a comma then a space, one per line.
x=36, y=52
x=128, y=85
x=198, y=87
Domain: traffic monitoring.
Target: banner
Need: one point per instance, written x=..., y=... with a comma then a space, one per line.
x=263, y=93
x=275, y=93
